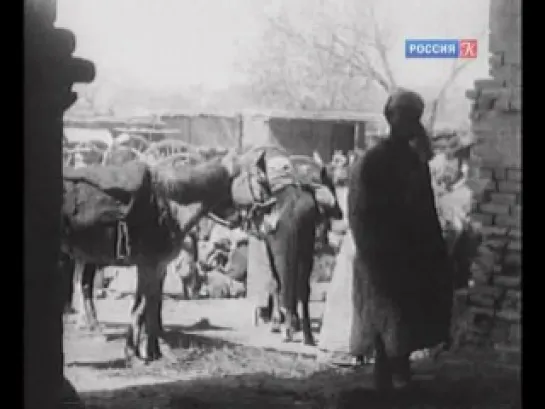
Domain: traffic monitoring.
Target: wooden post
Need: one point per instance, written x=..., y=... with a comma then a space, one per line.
x=356, y=134
x=49, y=72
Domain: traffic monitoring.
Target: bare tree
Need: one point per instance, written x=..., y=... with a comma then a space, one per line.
x=337, y=63
x=435, y=104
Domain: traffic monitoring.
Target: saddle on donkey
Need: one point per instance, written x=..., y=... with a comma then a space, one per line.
x=106, y=196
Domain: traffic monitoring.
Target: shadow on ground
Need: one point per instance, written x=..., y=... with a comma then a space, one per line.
x=466, y=385
x=184, y=346
x=174, y=334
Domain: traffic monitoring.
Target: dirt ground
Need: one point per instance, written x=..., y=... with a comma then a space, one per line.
x=214, y=365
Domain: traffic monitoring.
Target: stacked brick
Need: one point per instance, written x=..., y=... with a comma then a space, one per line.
x=489, y=312
x=491, y=307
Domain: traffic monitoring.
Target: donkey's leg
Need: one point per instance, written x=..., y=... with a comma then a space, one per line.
x=289, y=310
x=303, y=294
x=151, y=293
x=276, y=314
x=78, y=297
x=382, y=370
x=87, y=284
x=163, y=274
x=68, y=280
x=308, y=338
x=287, y=329
x=401, y=371
x=147, y=316
x=133, y=333
x=297, y=320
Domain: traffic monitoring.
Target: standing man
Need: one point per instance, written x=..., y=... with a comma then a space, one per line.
x=402, y=291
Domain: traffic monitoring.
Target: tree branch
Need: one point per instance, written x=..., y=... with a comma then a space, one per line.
x=456, y=69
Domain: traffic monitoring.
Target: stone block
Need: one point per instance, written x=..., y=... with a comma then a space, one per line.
x=495, y=61
x=472, y=94
x=482, y=300
x=509, y=315
x=503, y=198
x=515, y=334
x=516, y=211
x=515, y=245
x=514, y=175
x=487, y=84
x=495, y=44
x=508, y=282
x=486, y=290
x=515, y=294
x=481, y=275
x=509, y=75
x=509, y=186
x=494, y=208
x=516, y=101
x=513, y=259
x=511, y=301
x=500, y=173
x=491, y=186
x=515, y=233
x=497, y=243
x=500, y=332
x=496, y=8
x=503, y=100
x=512, y=55
x=516, y=75
x=493, y=232
x=509, y=354
x=492, y=94
x=507, y=221
x=502, y=104
x=483, y=128
x=483, y=219
x=485, y=173
x=482, y=315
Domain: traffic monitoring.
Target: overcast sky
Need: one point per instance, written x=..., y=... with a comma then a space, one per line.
x=169, y=43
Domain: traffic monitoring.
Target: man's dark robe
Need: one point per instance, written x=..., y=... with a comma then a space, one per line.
x=402, y=284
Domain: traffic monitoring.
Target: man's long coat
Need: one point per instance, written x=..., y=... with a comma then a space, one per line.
x=402, y=282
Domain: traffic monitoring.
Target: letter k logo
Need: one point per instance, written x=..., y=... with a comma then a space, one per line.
x=468, y=49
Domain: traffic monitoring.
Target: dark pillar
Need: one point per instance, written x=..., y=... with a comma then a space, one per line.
x=50, y=71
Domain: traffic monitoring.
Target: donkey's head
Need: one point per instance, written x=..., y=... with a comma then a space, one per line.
x=249, y=190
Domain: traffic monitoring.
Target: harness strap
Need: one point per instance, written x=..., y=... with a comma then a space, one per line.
x=123, y=249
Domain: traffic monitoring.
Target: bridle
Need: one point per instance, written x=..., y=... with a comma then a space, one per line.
x=258, y=207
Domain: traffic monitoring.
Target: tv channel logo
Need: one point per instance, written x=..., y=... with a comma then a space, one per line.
x=440, y=48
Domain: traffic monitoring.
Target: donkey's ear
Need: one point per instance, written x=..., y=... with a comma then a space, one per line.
x=261, y=162
x=318, y=158
x=231, y=162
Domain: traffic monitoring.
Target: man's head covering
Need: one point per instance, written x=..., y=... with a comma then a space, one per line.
x=403, y=111
x=403, y=105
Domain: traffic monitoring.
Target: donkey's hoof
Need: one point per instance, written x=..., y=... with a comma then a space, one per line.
x=309, y=342
x=275, y=329
x=255, y=318
x=95, y=327
x=130, y=355
x=288, y=335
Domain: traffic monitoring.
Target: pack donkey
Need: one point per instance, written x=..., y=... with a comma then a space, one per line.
x=125, y=216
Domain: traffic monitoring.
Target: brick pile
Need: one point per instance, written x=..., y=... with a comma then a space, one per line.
x=489, y=312
x=491, y=307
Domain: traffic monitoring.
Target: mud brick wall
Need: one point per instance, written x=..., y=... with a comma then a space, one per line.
x=490, y=310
